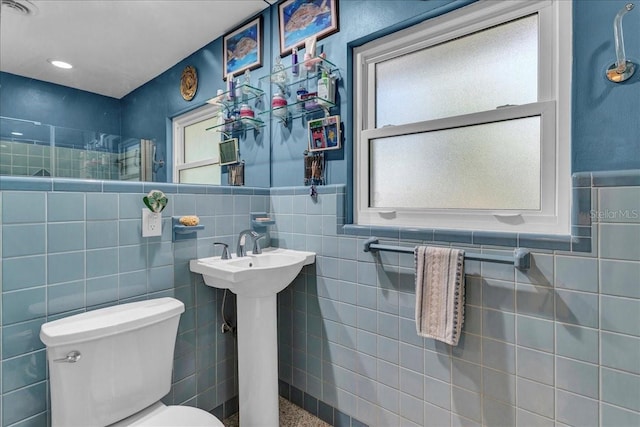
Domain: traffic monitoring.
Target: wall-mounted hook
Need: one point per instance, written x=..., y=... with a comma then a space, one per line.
x=622, y=69
x=157, y=164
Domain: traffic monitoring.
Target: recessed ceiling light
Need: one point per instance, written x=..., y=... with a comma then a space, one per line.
x=17, y=133
x=60, y=64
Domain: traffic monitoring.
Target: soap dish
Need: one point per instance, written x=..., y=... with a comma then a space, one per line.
x=261, y=220
x=182, y=232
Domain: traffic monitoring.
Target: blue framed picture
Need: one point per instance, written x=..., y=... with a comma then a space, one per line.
x=242, y=48
x=301, y=19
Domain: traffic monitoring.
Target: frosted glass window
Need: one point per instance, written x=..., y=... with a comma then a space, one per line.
x=478, y=72
x=463, y=121
x=489, y=166
x=209, y=174
x=200, y=144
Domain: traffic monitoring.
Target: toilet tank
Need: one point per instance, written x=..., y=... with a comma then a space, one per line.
x=125, y=362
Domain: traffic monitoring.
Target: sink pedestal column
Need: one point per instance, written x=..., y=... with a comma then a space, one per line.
x=258, y=361
x=256, y=279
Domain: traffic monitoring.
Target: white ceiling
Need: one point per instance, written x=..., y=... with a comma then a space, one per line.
x=115, y=46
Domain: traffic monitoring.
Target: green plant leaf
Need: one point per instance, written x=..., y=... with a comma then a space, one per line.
x=145, y=199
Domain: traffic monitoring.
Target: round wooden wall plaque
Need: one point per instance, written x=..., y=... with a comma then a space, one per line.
x=188, y=83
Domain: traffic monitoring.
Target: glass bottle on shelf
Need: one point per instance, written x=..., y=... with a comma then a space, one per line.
x=246, y=84
x=279, y=74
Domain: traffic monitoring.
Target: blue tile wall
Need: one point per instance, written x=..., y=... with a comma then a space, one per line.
x=78, y=248
x=557, y=344
x=536, y=344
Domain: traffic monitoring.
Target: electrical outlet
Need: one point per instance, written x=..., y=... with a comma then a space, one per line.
x=151, y=223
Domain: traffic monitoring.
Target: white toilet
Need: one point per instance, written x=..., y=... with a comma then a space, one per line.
x=111, y=367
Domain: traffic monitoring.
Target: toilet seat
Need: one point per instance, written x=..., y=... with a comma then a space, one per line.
x=159, y=415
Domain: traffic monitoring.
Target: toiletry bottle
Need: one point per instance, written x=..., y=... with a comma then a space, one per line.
x=279, y=105
x=230, y=89
x=294, y=61
x=246, y=111
x=237, y=123
x=324, y=89
x=238, y=89
x=310, y=52
x=300, y=97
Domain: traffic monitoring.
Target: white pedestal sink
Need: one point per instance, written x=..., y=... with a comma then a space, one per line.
x=256, y=279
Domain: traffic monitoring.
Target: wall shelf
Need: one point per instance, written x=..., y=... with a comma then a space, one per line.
x=301, y=108
x=304, y=75
x=249, y=93
x=183, y=232
x=239, y=124
x=258, y=223
x=287, y=83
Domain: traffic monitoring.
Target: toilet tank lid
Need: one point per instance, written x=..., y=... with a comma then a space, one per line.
x=109, y=321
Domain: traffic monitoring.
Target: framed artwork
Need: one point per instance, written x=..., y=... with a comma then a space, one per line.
x=229, y=152
x=242, y=48
x=324, y=134
x=301, y=19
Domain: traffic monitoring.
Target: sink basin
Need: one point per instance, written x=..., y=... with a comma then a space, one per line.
x=253, y=275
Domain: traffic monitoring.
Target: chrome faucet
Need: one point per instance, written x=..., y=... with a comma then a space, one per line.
x=240, y=248
x=257, y=250
x=225, y=250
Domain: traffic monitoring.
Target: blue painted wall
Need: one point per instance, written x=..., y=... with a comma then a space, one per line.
x=606, y=132
x=357, y=20
x=606, y=129
x=56, y=105
x=149, y=109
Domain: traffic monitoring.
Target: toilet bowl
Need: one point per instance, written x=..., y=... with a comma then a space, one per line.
x=159, y=415
x=111, y=367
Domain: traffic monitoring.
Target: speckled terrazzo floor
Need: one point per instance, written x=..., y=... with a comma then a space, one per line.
x=290, y=416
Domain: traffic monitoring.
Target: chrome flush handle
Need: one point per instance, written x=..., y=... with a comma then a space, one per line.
x=72, y=357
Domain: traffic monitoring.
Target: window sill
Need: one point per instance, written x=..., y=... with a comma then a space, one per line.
x=580, y=240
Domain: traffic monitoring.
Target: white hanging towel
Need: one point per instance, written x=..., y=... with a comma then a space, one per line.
x=439, y=293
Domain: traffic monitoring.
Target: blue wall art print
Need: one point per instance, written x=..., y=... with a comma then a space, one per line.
x=242, y=48
x=301, y=19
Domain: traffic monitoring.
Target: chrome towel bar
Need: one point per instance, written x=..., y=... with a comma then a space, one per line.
x=521, y=258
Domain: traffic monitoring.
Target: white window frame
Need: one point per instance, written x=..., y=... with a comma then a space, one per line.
x=554, y=107
x=197, y=115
